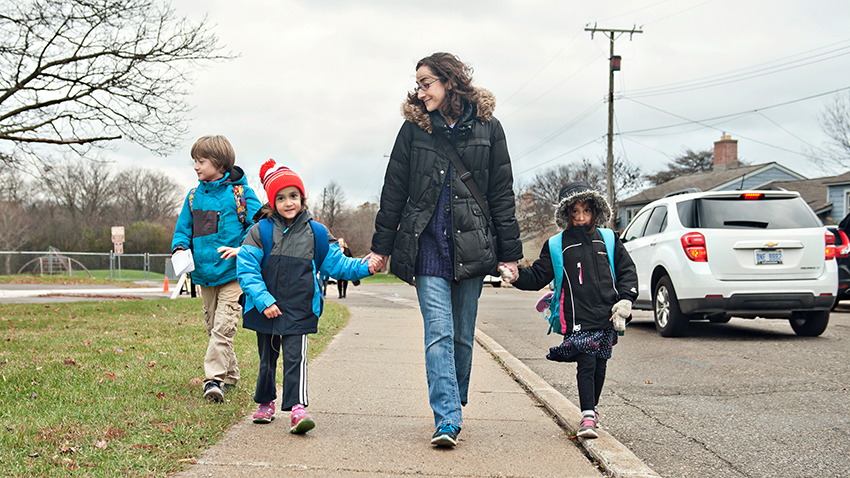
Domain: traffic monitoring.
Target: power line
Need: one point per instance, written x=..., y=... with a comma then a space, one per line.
x=718, y=129
x=746, y=73
x=558, y=156
x=563, y=129
x=541, y=69
x=551, y=89
x=741, y=113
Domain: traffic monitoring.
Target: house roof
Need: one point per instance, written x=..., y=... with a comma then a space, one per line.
x=704, y=181
x=814, y=191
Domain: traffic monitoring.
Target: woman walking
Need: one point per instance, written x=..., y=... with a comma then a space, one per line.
x=447, y=218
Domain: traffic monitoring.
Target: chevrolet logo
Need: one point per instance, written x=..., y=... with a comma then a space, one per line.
x=771, y=244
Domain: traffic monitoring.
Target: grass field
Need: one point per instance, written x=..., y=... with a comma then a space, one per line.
x=114, y=387
x=382, y=278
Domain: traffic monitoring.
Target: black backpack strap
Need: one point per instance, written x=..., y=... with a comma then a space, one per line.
x=466, y=177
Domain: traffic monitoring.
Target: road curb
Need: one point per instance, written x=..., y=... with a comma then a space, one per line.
x=617, y=460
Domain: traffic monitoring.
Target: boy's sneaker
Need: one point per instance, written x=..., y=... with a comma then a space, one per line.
x=265, y=413
x=446, y=435
x=212, y=391
x=587, y=428
x=301, y=421
x=228, y=387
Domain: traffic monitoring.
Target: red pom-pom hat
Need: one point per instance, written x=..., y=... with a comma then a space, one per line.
x=276, y=177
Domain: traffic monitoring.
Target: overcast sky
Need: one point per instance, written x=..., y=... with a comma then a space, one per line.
x=318, y=84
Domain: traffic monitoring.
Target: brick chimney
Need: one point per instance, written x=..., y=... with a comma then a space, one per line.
x=725, y=153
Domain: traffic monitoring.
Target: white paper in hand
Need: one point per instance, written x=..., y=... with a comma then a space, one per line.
x=183, y=262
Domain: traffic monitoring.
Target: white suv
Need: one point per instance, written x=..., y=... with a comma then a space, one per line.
x=714, y=255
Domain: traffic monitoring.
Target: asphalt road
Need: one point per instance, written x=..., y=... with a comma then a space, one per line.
x=743, y=399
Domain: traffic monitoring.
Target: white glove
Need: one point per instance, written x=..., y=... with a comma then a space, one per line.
x=619, y=313
x=506, y=273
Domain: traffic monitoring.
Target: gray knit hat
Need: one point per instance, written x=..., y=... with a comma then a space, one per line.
x=580, y=191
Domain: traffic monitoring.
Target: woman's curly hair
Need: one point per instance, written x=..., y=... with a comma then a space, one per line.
x=457, y=77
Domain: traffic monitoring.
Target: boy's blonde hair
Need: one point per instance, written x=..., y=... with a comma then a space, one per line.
x=217, y=149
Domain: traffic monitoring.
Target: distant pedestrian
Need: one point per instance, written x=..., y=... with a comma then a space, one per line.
x=323, y=280
x=212, y=224
x=342, y=284
x=591, y=304
x=278, y=265
x=443, y=237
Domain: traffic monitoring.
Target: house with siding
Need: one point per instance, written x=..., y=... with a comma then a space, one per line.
x=726, y=175
x=829, y=197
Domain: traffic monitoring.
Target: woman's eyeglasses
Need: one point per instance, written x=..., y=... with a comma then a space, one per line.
x=425, y=86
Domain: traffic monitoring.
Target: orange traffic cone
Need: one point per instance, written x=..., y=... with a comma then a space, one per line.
x=165, y=285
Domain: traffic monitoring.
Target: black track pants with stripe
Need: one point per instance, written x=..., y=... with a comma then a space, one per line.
x=294, y=369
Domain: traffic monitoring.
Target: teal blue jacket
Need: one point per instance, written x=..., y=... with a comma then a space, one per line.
x=213, y=222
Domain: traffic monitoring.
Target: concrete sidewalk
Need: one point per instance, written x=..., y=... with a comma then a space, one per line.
x=368, y=395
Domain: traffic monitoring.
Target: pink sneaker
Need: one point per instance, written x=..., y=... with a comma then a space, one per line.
x=301, y=421
x=264, y=414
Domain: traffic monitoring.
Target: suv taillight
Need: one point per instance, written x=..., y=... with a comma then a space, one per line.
x=845, y=245
x=694, y=245
x=829, y=238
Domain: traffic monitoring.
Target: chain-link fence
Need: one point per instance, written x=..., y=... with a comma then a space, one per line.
x=102, y=265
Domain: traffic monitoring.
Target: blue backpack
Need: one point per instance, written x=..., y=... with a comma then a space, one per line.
x=552, y=313
x=320, y=235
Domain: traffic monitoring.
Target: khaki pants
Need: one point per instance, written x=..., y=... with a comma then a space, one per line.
x=221, y=315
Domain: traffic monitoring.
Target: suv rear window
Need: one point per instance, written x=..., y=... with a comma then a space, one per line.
x=737, y=213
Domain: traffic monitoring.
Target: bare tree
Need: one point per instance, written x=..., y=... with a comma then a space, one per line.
x=333, y=203
x=835, y=121
x=143, y=195
x=690, y=162
x=83, y=188
x=356, y=226
x=539, y=197
x=81, y=72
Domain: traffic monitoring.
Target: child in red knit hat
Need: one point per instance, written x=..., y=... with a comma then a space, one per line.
x=277, y=268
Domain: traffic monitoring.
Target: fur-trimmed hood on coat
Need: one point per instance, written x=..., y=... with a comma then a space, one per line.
x=580, y=191
x=415, y=112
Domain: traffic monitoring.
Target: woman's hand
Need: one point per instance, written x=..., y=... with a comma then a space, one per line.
x=271, y=311
x=376, y=262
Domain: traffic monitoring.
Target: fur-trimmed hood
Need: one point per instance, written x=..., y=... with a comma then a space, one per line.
x=415, y=112
x=580, y=191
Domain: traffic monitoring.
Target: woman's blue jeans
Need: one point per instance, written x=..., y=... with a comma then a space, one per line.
x=448, y=310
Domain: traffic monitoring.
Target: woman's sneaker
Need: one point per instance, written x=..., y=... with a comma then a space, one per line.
x=264, y=414
x=301, y=421
x=587, y=428
x=446, y=435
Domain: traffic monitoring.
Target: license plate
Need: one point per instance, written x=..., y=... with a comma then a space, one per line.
x=768, y=257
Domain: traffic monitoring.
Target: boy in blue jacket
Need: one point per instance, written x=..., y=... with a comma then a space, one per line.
x=278, y=266
x=212, y=224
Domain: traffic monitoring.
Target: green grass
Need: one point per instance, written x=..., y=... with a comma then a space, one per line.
x=382, y=278
x=114, y=388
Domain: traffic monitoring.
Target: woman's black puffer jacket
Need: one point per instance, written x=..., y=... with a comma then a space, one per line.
x=413, y=181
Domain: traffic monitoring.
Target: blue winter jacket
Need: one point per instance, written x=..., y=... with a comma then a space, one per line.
x=289, y=278
x=213, y=222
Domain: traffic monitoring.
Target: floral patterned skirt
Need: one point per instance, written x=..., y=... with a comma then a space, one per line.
x=597, y=343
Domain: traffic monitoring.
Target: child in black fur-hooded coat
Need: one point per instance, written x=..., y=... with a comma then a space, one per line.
x=591, y=300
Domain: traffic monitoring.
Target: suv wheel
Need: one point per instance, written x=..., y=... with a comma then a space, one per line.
x=669, y=319
x=809, y=324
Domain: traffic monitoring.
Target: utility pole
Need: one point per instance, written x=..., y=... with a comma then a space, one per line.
x=614, y=65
